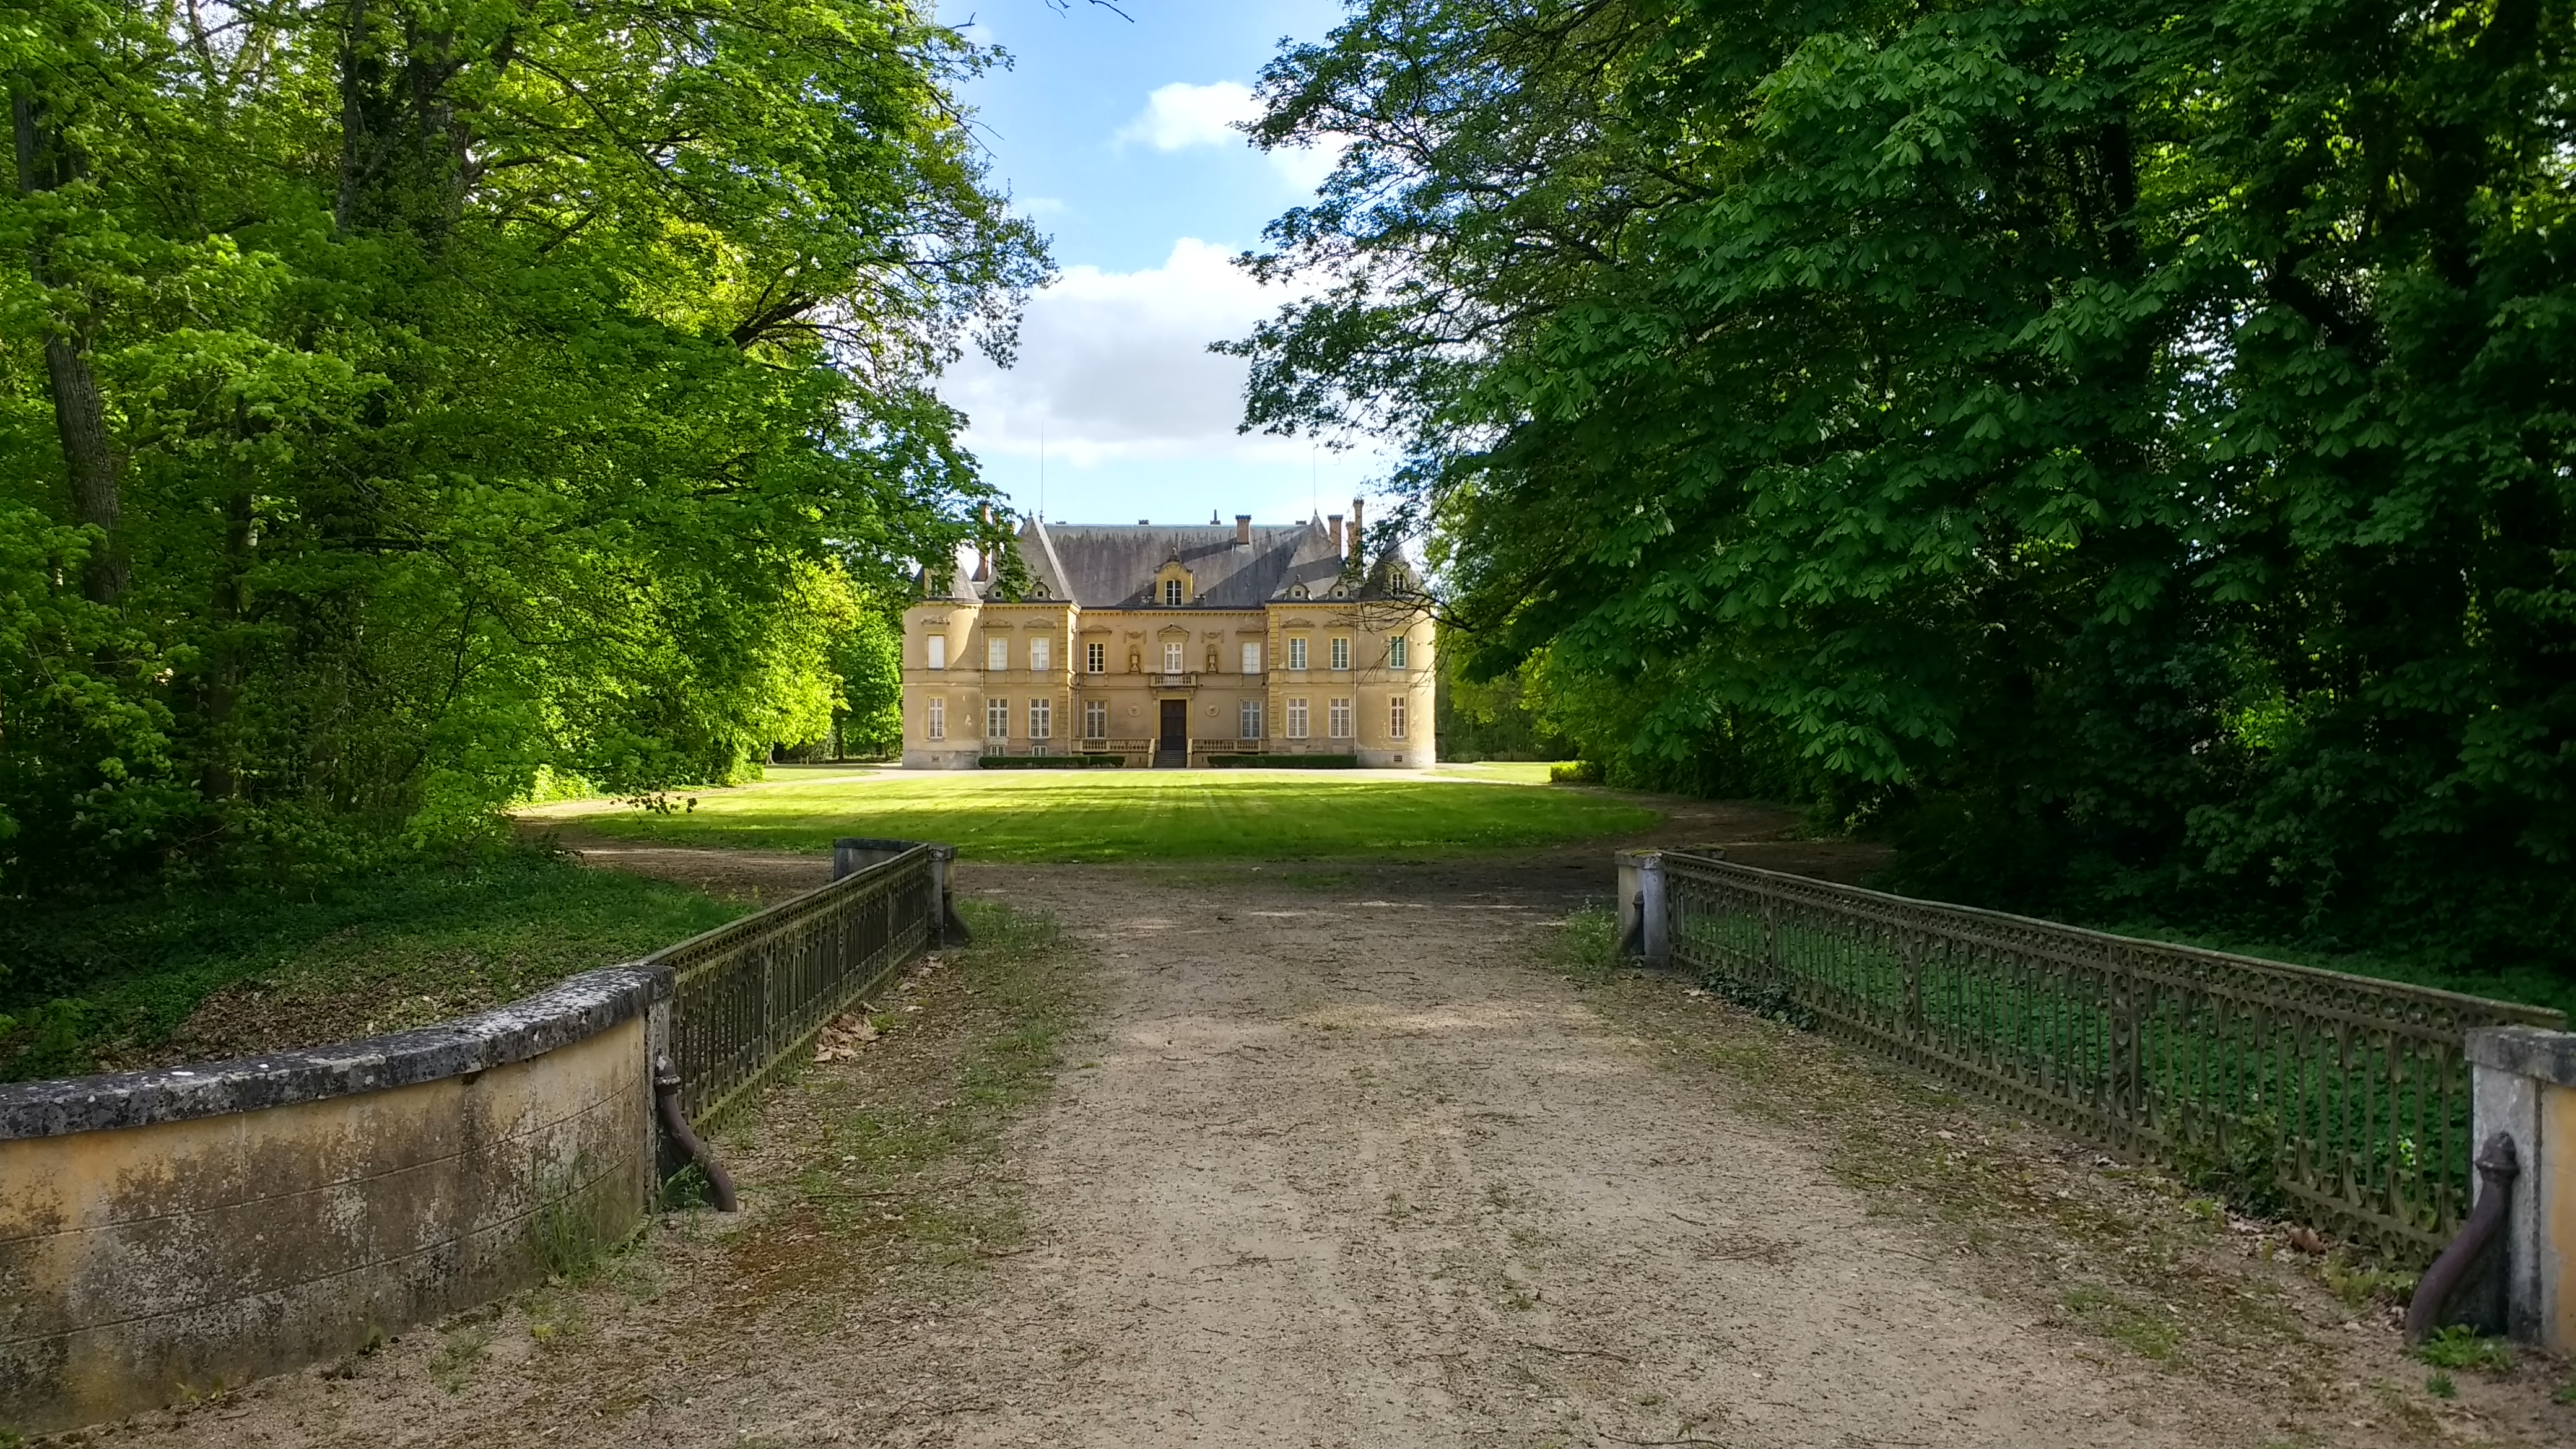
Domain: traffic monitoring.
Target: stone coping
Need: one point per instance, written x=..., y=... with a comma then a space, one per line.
x=2526, y=1051
x=574, y=1010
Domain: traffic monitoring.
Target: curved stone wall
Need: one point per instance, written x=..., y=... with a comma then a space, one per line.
x=173, y=1231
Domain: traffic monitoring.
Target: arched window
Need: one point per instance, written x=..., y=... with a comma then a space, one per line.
x=1172, y=592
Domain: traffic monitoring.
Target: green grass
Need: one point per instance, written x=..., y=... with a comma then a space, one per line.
x=103, y=986
x=1138, y=815
x=2462, y=1347
x=1585, y=948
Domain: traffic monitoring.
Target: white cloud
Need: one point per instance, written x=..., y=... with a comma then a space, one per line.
x=1181, y=115
x=1114, y=365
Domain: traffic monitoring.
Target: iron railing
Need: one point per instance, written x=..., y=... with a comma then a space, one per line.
x=2351, y=1091
x=748, y=997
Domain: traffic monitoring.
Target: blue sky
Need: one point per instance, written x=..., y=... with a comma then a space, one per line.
x=1112, y=135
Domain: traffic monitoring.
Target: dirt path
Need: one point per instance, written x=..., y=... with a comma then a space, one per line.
x=1343, y=1175
x=1335, y=1162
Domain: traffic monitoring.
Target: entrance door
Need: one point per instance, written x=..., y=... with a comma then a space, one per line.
x=1176, y=726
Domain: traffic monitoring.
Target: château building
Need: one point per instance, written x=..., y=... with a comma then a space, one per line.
x=1167, y=646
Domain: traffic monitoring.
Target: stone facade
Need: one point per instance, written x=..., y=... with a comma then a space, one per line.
x=1170, y=646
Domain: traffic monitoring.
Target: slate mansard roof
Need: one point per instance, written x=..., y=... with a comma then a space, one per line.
x=1112, y=566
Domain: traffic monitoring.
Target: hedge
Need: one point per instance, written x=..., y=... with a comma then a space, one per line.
x=1053, y=762
x=1288, y=762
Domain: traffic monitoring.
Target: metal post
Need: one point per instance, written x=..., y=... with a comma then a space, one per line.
x=1912, y=949
x=1771, y=942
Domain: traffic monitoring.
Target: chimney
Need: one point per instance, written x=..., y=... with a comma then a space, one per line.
x=983, y=554
x=1333, y=525
x=1357, y=546
x=1242, y=530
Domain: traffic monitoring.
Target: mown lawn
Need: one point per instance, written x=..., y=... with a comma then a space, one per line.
x=196, y=977
x=1110, y=815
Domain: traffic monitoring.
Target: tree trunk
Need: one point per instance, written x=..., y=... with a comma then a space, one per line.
x=80, y=412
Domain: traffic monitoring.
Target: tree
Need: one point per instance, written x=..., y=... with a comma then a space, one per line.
x=486, y=389
x=2123, y=448
x=869, y=661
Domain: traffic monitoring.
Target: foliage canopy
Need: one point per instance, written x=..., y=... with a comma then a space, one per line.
x=2125, y=447
x=398, y=399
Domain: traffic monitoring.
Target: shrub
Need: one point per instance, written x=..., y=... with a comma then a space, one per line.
x=1574, y=772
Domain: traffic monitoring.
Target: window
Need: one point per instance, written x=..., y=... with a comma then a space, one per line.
x=1042, y=719
x=1338, y=719
x=1248, y=720
x=1297, y=719
x=1172, y=592
x=938, y=646
x=1041, y=655
x=997, y=719
x=1296, y=653
x=997, y=653
x=1395, y=652
x=1171, y=659
x=1095, y=718
x=1395, y=718
x=1341, y=654
x=1095, y=657
x=1252, y=659
x=937, y=725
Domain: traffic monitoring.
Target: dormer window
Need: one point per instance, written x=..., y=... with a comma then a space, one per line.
x=1172, y=593
x=1296, y=591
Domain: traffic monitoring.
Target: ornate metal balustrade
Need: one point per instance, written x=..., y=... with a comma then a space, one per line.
x=749, y=996
x=2351, y=1091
